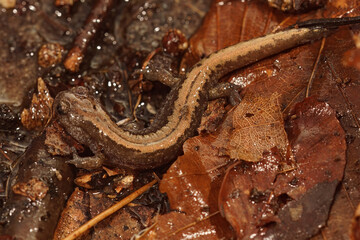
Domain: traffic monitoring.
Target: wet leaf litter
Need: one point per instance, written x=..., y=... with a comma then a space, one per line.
x=198, y=184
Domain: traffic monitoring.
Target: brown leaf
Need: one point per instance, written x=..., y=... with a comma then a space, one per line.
x=50, y=54
x=84, y=205
x=175, y=225
x=34, y=189
x=193, y=175
x=303, y=218
x=231, y=22
x=352, y=57
x=259, y=126
x=213, y=116
x=355, y=226
x=74, y=215
x=339, y=87
x=296, y=5
x=252, y=194
x=39, y=113
x=8, y=3
x=86, y=179
x=122, y=224
x=54, y=140
x=246, y=198
x=318, y=144
x=287, y=74
x=192, y=185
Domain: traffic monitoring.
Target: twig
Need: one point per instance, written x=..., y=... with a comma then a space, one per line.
x=86, y=226
x=93, y=22
x=307, y=94
x=141, y=77
x=197, y=221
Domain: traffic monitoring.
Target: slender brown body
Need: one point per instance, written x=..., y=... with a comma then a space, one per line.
x=84, y=119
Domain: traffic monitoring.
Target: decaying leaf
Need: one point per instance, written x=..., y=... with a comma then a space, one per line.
x=8, y=3
x=39, y=113
x=355, y=225
x=303, y=218
x=259, y=199
x=259, y=126
x=176, y=225
x=246, y=198
x=122, y=224
x=64, y=2
x=318, y=144
x=75, y=214
x=213, y=115
x=54, y=140
x=192, y=185
x=352, y=57
x=34, y=189
x=82, y=206
x=296, y=5
x=50, y=54
x=85, y=180
x=286, y=74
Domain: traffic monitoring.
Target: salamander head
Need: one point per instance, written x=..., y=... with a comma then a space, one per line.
x=75, y=110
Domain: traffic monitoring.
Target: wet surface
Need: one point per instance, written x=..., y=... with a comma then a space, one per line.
x=110, y=57
x=155, y=18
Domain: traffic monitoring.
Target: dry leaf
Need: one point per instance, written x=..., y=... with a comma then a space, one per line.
x=74, y=215
x=259, y=199
x=287, y=73
x=213, y=116
x=64, y=2
x=8, y=3
x=259, y=127
x=50, y=54
x=176, y=225
x=246, y=198
x=355, y=225
x=121, y=225
x=34, y=189
x=54, y=140
x=39, y=112
x=296, y=5
x=86, y=180
x=192, y=184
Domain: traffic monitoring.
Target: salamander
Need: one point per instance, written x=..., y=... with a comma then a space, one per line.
x=84, y=119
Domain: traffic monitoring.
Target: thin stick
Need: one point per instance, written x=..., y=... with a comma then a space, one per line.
x=191, y=224
x=92, y=25
x=315, y=68
x=86, y=226
x=327, y=22
x=141, y=77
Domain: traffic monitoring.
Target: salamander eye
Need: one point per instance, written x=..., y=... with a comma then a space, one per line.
x=63, y=107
